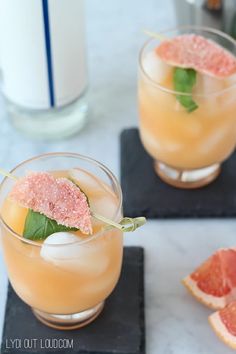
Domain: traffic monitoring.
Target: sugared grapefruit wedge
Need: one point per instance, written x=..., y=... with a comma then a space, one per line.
x=199, y=53
x=214, y=282
x=57, y=198
x=223, y=323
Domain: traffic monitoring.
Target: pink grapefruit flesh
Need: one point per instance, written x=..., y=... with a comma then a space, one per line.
x=57, y=198
x=223, y=323
x=214, y=282
x=196, y=52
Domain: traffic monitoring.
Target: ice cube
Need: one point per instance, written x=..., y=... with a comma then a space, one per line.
x=87, y=182
x=102, y=199
x=158, y=146
x=194, y=128
x=156, y=69
x=213, y=140
x=229, y=96
x=206, y=84
x=105, y=206
x=211, y=90
x=52, y=248
x=100, y=285
x=65, y=250
x=231, y=80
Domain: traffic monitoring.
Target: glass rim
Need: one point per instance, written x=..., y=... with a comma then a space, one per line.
x=81, y=157
x=196, y=28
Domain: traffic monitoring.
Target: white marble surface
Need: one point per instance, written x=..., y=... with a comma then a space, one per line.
x=175, y=323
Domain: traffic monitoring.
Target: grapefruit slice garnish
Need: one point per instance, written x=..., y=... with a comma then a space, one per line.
x=196, y=52
x=214, y=282
x=57, y=198
x=63, y=201
x=223, y=323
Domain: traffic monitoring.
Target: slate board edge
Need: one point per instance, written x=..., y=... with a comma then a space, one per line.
x=141, y=266
x=193, y=213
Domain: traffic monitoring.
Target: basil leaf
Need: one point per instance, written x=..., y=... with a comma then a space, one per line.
x=184, y=80
x=38, y=226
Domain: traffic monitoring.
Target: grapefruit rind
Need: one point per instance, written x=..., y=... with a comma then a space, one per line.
x=215, y=303
x=221, y=330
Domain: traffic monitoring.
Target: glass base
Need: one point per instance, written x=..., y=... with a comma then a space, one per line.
x=69, y=322
x=49, y=124
x=187, y=178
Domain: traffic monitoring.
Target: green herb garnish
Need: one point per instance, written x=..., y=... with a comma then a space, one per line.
x=184, y=81
x=39, y=226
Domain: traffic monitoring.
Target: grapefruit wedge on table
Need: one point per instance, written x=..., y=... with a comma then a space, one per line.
x=214, y=282
x=224, y=324
x=199, y=53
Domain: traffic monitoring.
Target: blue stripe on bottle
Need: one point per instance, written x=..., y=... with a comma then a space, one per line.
x=47, y=36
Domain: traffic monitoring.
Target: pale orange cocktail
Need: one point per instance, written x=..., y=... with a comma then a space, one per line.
x=188, y=147
x=65, y=283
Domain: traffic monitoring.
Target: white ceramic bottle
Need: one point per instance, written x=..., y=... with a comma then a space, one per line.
x=43, y=63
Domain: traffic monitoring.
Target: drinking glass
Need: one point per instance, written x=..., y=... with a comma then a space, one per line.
x=65, y=284
x=188, y=148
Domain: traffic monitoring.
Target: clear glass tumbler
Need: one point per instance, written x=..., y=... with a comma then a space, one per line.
x=65, y=284
x=187, y=148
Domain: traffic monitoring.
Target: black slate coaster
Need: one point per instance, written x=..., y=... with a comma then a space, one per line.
x=146, y=194
x=118, y=330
